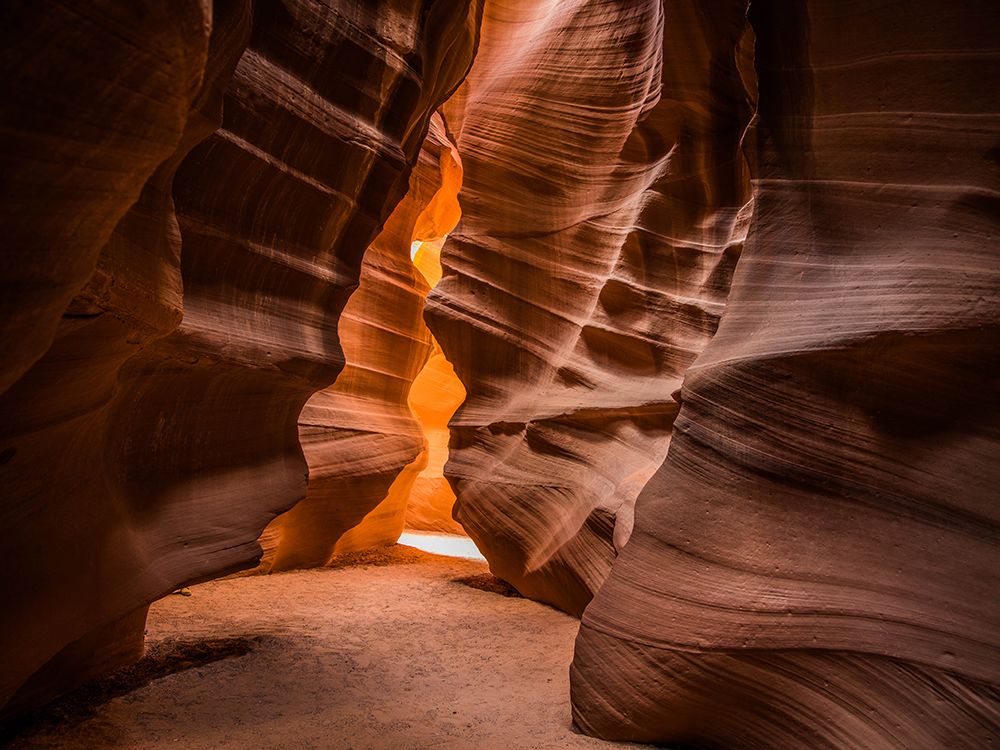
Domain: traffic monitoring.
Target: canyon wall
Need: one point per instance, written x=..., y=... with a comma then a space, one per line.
x=193, y=192
x=228, y=163
x=602, y=217
x=363, y=445
x=815, y=563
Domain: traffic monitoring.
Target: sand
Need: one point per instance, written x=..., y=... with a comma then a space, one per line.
x=389, y=652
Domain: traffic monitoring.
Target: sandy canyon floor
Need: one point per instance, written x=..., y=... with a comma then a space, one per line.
x=387, y=652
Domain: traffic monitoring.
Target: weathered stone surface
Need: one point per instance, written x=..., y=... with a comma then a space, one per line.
x=435, y=396
x=133, y=106
x=176, y=442
x=815, y=564
x=192, y=191
x=363, y=444
x=82, y=135
x=601, y=224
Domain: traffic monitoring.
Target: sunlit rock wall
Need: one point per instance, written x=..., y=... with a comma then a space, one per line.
x=434, y=397
x=816, y=563
x=436, y=392
x=363, y=444
x=601, y=222
x=142, y=452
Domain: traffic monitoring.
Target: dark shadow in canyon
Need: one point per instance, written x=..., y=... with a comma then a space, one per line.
x=161, y=659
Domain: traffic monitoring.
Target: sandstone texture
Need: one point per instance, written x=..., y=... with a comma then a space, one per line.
x=815, y=563
x=228, y=163
x=363, y=444
x=83, y=134
x=602, y=217
x=435, y=395
x=690, y=309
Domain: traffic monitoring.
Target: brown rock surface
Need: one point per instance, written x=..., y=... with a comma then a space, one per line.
x=68, y=529
x=82, y=135
x=436, y=394
x=815, y=564
x=434, y=397
x=175, y=442
x=601, y=224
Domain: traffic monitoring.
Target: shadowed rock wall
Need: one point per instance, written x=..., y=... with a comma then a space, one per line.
x=173, y=441
x=815, y=564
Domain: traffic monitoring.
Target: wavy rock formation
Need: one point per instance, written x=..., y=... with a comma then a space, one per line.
x=436, y=392
x=75, y=179
x=601, y=224
x=176, y=442
x=69, y=173
x=815, y=564
x=363, y=445
x=193, y=190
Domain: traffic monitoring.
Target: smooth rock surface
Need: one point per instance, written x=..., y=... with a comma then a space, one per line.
x=364, y=446
x=601, y=223
x=82, y=135
x=192, y=192
x=815, y=564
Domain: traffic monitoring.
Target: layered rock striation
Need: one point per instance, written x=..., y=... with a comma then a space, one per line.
x=815, y=563
x=227, y=162
x=83, y=134
x=602, y=217
x=364, y=446
x=192, y=192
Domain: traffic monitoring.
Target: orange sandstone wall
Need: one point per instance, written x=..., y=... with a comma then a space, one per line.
x=193, y=190
x=363, y=444
x=114, y=99
x=436, y=392
x=434, y=397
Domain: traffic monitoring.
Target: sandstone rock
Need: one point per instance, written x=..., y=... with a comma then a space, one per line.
x=436, y=394
x=363, y=444
x=193, y=190
x=601, y=224
x=83, y=132
x=176, y=442
x=103, y=133
x=815, y=564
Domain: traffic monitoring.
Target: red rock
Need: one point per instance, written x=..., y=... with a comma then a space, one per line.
x=83, y=132
x=176, y=442
x=364, y=446
x=601, y=224
x=192, y=193
x=815, y=564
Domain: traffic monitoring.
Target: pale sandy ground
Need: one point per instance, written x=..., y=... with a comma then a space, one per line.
x=387, y=657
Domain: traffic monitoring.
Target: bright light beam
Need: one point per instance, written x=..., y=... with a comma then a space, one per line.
x=448, y=545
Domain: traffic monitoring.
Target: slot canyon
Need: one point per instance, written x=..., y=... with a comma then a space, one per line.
x=500, y=374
